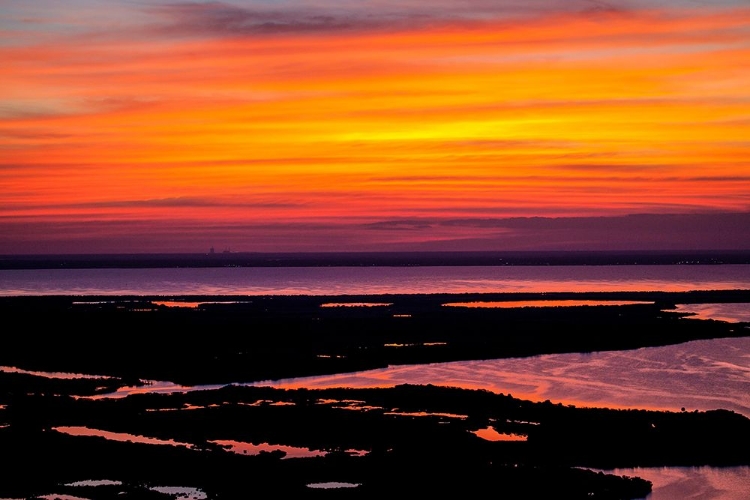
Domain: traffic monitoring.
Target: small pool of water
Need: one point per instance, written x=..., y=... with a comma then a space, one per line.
x=118, y=436
x=543, y=303
x=356, y=304
x=490, y=434
x=243, y=448
x=332, y=484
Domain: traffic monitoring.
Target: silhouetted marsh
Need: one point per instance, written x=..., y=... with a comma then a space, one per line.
x=367, y=441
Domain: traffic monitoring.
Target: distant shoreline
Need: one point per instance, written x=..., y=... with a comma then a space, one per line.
x=339, y=259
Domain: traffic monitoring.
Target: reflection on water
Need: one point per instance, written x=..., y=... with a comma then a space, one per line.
x=704, y=483
x=427, y=414
x=243, y=448
x=181, y=492
x=95, y=482
x=356, y=304
x=698, y=375
x=721, y=312
x=177, y=492
x=415, y=344
x=151, y=387
x=490, y=434
x=366, y=280
x=544, y=303
x=57, y=375
x=238, y=447
x=332, y=484
x=118, y=436
x=56, y=496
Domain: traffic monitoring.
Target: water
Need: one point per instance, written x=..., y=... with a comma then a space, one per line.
x=698, y=375
x=372, y=280
x=697, y=483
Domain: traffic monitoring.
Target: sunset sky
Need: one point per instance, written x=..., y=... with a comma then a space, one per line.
x=303, y=125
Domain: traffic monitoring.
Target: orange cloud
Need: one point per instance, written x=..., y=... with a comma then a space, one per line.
x=560, y=115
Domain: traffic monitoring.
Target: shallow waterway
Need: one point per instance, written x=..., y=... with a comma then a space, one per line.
x=698, y=375
x=698, y=483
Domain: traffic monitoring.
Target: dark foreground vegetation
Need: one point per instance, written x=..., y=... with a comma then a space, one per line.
x=251, y=338
x=379, y=443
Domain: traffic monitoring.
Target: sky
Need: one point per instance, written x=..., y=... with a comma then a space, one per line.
x=329, y=125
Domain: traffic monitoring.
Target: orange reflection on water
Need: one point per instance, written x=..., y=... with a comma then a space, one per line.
x=244, y=448
x=192, y=305
x=544, y=303
x=356, y=304
x=117, y=436
x=739, y=312
x=539, y=379
x=426, y=414
x=151, y=387
x=173, y=303
x=490, y=434
x=53, y=375
x=415, y=344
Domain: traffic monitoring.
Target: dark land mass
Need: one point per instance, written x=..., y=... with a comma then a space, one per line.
x=403, y=441
x=322, y=259
x=419, y=440
x=253, y=338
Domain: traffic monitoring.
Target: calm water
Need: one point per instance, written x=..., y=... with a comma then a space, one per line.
x=698, y=375
x=694, y=483
x=372, y=280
